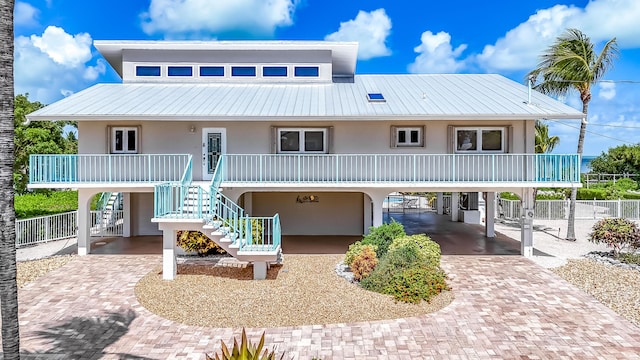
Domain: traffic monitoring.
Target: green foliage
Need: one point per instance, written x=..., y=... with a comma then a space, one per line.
x=37, y=204
x=590, y=194
x=616, y=233
x=550, y=196
x=256, y=230
x=244, y=351
x=628, y=258
x=355, y=249
x=621, y=159
x=39, y=137
x=427, y=251
x=543, y=142
x=364, y=262
x=383, y=235
x=198, y=242
x=409, y=271
x=509, y=196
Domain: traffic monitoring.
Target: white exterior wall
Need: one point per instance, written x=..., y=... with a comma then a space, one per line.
x=141, y=215
x=336, y=213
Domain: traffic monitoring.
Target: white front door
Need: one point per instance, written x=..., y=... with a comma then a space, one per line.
x=214, y=144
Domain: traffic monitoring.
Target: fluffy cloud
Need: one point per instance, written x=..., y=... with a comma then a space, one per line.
x=370, y=30
x=25, y=14
x=53, y=64
x=197, y=18
x=607, y=91
x=601, y=20
x=437, y=55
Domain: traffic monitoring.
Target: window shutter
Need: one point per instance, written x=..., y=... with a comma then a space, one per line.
x=274, y=140
x=424, y=136
x=394, y=137
x=509, y=139
x=450, y=138
x=330, y=149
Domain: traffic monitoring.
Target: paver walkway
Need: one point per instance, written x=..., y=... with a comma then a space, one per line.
x=505, y=307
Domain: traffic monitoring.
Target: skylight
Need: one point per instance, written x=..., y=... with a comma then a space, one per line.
x=375, y=97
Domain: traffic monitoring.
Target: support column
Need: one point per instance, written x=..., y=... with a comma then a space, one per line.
x=259, y=270
x=526, y=236
x=440, y=203
x=126, y=215
x=84, y=222
x=169, y=265
x=490, y=215
x=377, y=200
x=367, y=215
x=455, y=200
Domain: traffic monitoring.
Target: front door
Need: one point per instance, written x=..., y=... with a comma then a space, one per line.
x=213, y=145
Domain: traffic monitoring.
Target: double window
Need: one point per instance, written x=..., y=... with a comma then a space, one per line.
x=302, y=140
x=485, y=139
x=407, y=136
x=124, y=140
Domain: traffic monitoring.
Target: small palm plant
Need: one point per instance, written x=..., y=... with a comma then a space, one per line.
x=245, y=351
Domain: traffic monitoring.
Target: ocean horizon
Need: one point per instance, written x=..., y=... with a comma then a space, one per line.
x=584, y=165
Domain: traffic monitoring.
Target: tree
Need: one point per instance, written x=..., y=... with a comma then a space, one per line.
x=623, y=159
x=8, y=284
x=40, y=137
x=544, y=143
x=571, y=63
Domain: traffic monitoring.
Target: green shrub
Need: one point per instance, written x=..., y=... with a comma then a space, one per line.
x=616, y=233
x=245, y=351
x=624, y=184
x=418, y=283
x=198, y=242
x=631, y=196
x=590, y=194
x=509, y=196
x=364, y=262
x=628, y=258
x=550, y=196
x=427, y=251
x=50, y=203
x=383, y=235
x=355, y=249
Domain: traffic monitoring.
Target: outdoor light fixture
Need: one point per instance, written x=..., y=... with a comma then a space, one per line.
x=307, y=198
x=192, y=129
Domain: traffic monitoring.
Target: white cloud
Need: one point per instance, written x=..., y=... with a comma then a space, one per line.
x=601, y=20
x=64, y=49
x=185, y=18
x=370, y=30
x=437, y=55
x=53, y=64
x=25, y=14
x=607, y=90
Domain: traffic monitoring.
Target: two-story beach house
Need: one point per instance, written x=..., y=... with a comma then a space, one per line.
x=251, y=140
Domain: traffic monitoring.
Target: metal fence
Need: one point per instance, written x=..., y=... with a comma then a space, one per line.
x=585, y=209
x=401, y=203
x=41, y=229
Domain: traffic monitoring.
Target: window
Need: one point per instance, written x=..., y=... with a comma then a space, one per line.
x=243, y=71
x=124, y=140
x=180, y=71
x=405, y=136
x=297, y=140
x=212, y=71
x=147, y=70
x=375, y=97
x=269, y=71
x=479, y=139
x=306, y=71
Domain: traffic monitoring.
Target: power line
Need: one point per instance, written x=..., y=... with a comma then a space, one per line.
x=595, y=133
x=616, y=126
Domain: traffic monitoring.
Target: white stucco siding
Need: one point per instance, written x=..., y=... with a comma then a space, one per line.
x=339, y=213
x=141, y=215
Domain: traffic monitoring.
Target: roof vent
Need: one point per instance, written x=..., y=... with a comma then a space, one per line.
x=376, y=97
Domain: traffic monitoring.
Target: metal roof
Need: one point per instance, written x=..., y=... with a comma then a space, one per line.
x=343, y=53
x=408, y=97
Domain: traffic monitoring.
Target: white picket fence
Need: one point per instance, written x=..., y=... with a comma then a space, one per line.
x=585, y=209
x=105, y=223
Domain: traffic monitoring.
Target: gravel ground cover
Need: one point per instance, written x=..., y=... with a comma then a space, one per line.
x=304, y=291
x=615, y=287
x=31, y=270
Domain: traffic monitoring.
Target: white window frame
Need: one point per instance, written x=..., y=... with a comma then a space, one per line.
x=125, y=145
x=478, y=131
x=302, y=131
x=407, y=130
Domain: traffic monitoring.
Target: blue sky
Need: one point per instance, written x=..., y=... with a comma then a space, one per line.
x=55, y=56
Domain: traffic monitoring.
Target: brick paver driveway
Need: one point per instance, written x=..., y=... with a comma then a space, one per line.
x=505, y=307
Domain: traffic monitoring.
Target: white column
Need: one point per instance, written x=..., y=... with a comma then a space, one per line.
x=490, y=214
x=366, y=210
x=84, y=223
x=169, y=266
x=126, y=216
x=455, y=200
x=440, y=203
x=526, y=236
x=259, y=270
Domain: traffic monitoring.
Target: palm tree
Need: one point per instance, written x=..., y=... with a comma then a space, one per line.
x=544, y=143
x=8, y=285
x=571, y=63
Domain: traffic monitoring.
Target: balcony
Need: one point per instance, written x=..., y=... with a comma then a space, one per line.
x=54, y=171
x=332, y=170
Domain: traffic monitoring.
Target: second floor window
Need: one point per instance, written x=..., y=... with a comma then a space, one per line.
x=124, y=140
x=490, y=139
x=302, y=140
